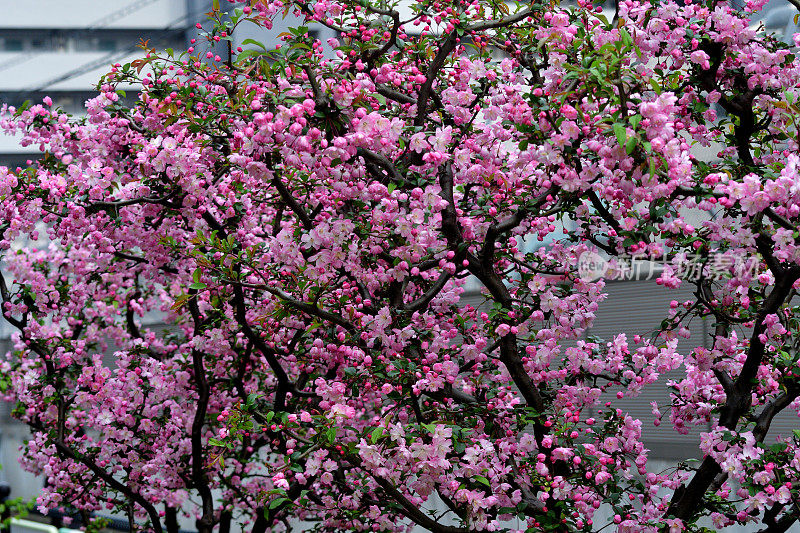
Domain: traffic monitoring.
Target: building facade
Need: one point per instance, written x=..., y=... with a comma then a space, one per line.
x=60, y=49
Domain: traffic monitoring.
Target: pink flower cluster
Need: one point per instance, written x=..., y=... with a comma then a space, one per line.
x=243, y=296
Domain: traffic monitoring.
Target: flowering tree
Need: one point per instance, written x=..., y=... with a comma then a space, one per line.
x=304, y=221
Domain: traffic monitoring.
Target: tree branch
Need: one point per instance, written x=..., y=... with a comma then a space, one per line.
x=112, y=482
x=206, y=521
x=382, y=162
x=240, y=315
x=290, y=200
x=506, y=21
x=688, y=498
x=507, y=224
x=424, y=94
x=423, y=301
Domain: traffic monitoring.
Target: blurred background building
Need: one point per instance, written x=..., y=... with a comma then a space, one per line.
x=60, y=49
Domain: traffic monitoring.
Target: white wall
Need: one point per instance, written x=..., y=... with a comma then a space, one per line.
x=90, y=13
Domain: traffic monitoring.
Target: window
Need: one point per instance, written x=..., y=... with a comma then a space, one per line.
x=12, y=45
x=106, y=45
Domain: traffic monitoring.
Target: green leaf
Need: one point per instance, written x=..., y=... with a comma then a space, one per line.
x=197, y=286
x=630, y=146
x=619, y=131
x=656, y=87
x=254, y=43
x=251, y=398
x=376, y=434
x=277, y=502
x=330, y=435
x=483, y=480
x=181, y=300
x=626, y=37
x=244, y=54
x=380, y=98
x=778, y=447
x=391, y=187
